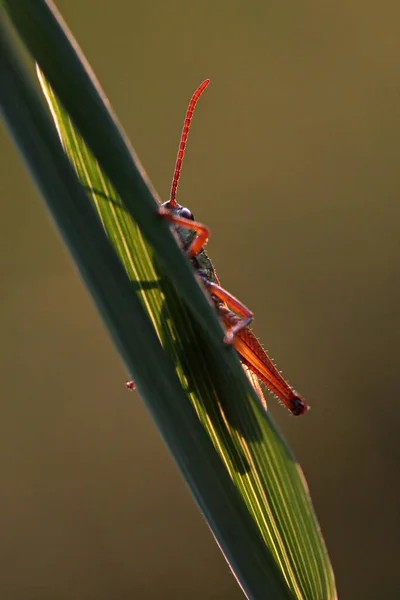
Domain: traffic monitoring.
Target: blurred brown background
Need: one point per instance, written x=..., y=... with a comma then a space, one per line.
x=293, y=161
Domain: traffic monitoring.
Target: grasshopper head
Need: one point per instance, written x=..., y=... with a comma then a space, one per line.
x=177, y=210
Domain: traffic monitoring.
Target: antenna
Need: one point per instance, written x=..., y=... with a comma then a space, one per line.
x=184, y=135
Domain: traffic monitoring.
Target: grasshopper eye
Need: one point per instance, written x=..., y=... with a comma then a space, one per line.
x=186, y=214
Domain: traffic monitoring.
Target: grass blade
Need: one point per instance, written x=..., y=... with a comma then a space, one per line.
x=239, y=469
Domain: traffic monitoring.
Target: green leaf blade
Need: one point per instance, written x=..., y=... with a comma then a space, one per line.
x=240, y=470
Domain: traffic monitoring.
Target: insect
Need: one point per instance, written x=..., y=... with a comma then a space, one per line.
x=235, y=316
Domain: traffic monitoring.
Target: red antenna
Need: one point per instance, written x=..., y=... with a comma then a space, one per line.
x=184, y=135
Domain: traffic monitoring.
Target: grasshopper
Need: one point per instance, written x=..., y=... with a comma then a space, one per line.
x=192, y=236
